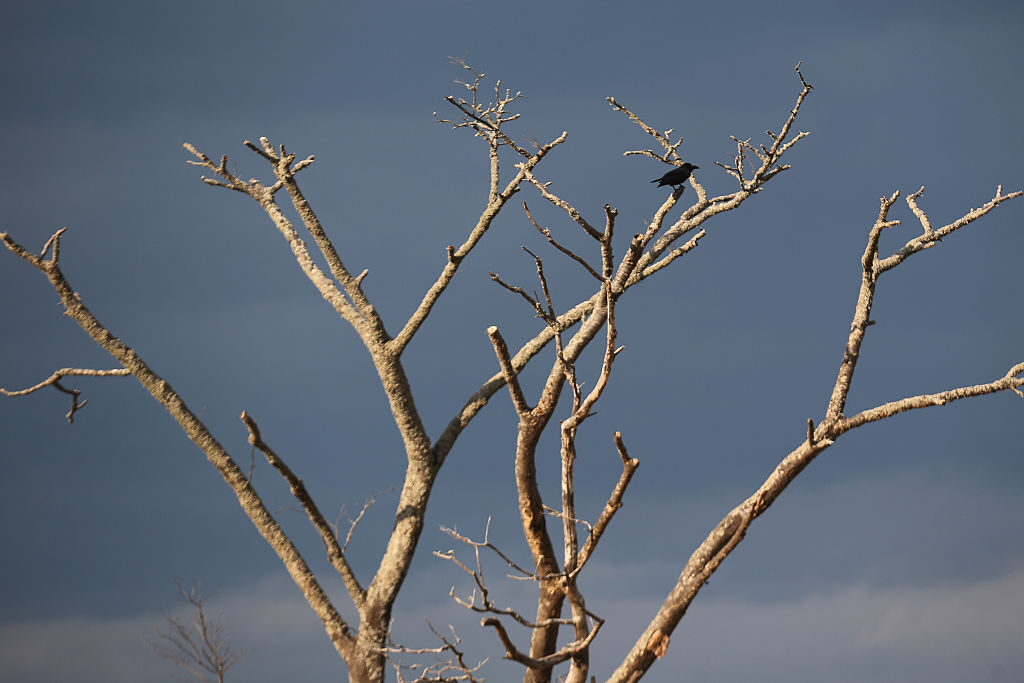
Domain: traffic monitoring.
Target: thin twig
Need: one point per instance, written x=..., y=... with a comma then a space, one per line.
x=55, y=378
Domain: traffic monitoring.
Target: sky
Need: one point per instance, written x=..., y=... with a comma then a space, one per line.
x=897, y=556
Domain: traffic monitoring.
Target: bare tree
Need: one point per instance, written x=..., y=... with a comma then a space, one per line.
x=200, y=647
x=669, y=235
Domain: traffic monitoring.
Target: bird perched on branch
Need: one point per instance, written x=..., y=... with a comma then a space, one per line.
x=677, y=176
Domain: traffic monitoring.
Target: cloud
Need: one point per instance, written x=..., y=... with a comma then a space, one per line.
x=954, y=632
x=969, y=631
x=267, y=619
x=77, y=649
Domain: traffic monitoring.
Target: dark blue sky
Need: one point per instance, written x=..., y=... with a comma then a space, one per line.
x=895, y=557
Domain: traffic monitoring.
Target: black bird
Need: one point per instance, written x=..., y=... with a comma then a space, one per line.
x=677, y=176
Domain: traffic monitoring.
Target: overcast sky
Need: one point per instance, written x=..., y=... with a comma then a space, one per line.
x=897, y=556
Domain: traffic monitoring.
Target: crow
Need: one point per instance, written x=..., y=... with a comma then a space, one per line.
x=677, y=176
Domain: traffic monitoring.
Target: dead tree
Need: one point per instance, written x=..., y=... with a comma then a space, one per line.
x=200, y=647
x=366, y=646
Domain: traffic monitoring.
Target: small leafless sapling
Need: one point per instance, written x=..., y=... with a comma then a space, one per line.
x=199, y=647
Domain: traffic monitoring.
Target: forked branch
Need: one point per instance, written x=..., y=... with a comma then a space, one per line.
x=456, y=256
x=454, y=668
x=635, y=266
x=653, y=643
x=873, y=267
x=564, y=654
x=344, y=292
x=54, y=380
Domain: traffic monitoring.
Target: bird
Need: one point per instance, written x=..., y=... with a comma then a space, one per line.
x=677, y=176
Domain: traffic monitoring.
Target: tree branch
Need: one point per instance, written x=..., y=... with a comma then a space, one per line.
x=568, y=252
x=653, y=643
x=55, y=378
x=511, y=378
x=929, y=237
x=629, y=466
x=537, y=663
x=455, y=258
x=1010, y=381
x=194, y=428
x=335, y=553
x=691, y=220
x=358, y=314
